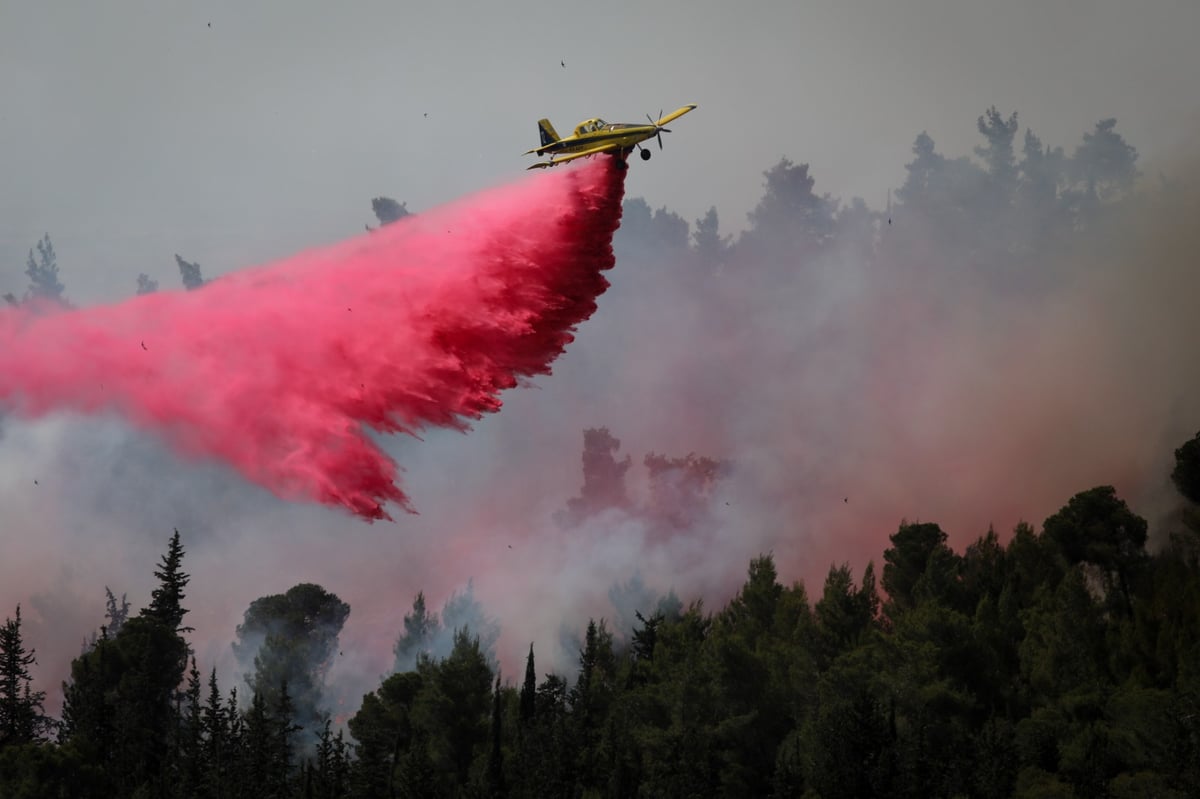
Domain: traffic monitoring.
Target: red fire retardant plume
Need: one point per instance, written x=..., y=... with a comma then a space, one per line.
x=279, y=370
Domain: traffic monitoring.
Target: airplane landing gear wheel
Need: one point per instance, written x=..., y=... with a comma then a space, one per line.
x=621, y=164
x=645, y=155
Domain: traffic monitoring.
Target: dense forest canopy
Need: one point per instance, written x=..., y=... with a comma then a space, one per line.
x=1056, y=660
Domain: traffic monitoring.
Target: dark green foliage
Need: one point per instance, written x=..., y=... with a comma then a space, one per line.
x=529, y=691
x=219, y=746
x=1063, y=661
x=462, y=612
x=327, y=775
x=21, y=718
x=115, y=613
x=591, y=701
x=46, y=771
x=848, y=745
x=453, y=706
x=1005, y=671
x=1000, y=673
x=120, y=707
x=1099, y=529
x=283, y=738
x=917, y=566
x=417, y=775
x=425, y=635
x=292, y=638
x=494, y=780
x=384, y=730
x=165, y=602
x=257, y=767
x=420, y=629
x=189, y=744
x=1186, y=474
x=426, y=732
x=844, y=613
x=629, y=599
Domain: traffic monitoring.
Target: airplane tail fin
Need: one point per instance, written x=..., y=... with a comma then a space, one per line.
x=548, y=134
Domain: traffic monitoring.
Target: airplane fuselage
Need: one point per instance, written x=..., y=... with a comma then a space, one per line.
x=620, y=136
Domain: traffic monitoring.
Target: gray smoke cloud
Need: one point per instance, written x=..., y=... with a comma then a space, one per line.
x=848, y=391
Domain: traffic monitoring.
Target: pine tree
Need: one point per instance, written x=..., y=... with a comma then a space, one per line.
x=319, y=778
x=495, y=765
x=235, y=743
x=1105, y=164
x=417, y=776
x=43, y=273
x=165, y=603
x=21, y=718
x=711, y=247
x=293, y=637
x=146, y=284
x=85, y=716
x=190, y=747
x=1186, y=474
x=420, y=628
x=998, y=154
x=190, y=273
x=388, y=210
x=115, y=613
x=215, y=724
x=283, y=749
x=462, y=612
x=121, y=706
x=453, y=707
x=383, y=728
x=790, y=212
x=256, y=762
x=339, y=767
x=591, y=701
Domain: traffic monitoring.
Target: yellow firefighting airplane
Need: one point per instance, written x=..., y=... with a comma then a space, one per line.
x=595, y=136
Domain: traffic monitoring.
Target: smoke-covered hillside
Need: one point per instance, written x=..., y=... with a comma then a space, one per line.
x=1011, y=329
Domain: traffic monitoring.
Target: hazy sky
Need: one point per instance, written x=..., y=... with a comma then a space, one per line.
x=133, y=130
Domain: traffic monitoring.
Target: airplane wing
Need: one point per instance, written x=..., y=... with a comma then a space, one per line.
x=676, y=114
x=562, y=159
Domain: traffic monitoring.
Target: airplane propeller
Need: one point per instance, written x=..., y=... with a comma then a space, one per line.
x=659, y=130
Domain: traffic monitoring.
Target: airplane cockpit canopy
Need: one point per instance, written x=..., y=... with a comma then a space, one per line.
x=590, y=126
